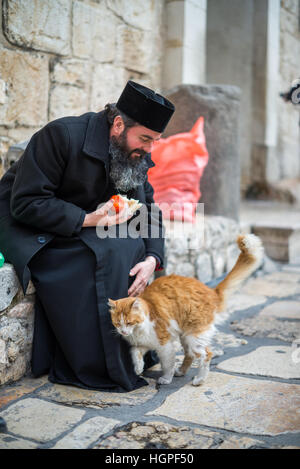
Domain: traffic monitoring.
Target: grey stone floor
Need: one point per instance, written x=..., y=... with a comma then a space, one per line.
x=251, y=398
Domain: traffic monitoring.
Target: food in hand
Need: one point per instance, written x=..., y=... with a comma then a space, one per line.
x=121, y=202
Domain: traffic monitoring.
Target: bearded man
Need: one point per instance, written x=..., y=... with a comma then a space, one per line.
x=49, y=211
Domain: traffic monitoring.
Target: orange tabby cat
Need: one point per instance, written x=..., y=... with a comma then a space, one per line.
x=173, y=307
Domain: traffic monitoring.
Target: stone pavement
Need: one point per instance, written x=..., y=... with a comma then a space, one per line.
x=251, y=398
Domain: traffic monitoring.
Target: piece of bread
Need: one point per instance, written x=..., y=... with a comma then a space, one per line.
x=132, y=204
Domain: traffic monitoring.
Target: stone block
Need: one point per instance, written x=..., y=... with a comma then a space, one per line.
x=26, y=77
x=220, y=106
x=204, y=267
x=94, y=32
x=281, y=243
x=134, y=52
x=86, y=433
x=9, y=285
x=106, y=83
x=16, y=333
x=142, y=14
x=40, y=420
x=275, y=361
x=236, y=404
x=67, y=100
x=70, y=72
x=39, y=25
x=72, y=396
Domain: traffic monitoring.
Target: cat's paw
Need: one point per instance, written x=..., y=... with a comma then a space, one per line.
x=139, y=368
x=163, y=380
x=178, y=372
x=197, y=381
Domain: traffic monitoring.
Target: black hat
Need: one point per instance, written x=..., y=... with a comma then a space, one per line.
x=145, y=106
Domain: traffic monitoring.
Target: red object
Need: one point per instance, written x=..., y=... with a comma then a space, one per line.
x=119, y=203
x=180, y=161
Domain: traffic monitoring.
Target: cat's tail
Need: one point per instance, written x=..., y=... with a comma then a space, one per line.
x=250, y=258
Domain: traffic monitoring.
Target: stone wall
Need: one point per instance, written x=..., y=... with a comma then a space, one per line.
x=255, y=45
x=288, y=116
x=72, y=56
x=206, y=252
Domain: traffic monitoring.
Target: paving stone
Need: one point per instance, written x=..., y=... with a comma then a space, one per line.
x=275, y=361
x=293, y=277
x=282, y=309
x=87, y=433
x=237, y=404
x=263, y=326
x=159, y=435
x=155, y=434
x=291, y=268
x=280, y=289
x=241, y=301
x=71, y=395
x=24, y=386
x=237, y=442
x=40, y=420
x=12, y=442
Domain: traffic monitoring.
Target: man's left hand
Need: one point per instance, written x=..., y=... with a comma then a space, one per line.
x=143, y=271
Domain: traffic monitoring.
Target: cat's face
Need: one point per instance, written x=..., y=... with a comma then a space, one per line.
x=126, y=314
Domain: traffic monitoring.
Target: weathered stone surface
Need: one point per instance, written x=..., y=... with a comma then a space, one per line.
x=140, y=13
x=219, y=105
x=67, y=100
x=223, y=340
x=16, y=332
x=107, y=80
x=237, y=404
x=232, y=254
x=133, y=51
x=94, y=28
x=70, y=72
x=282, y=243
x=204, y=267
x=282, y=309
x=39, y=26
x=40, y=420
x=291, y=268
x=97, y=399
x=9, y=285
x=19, y=389
x=158, y=435
x=87, y=433
x=26, y=77
x=12, y=442
x=260, y=286
x=275, y=361
x=240, y=301
x=236, y=442
x=166, y=436
x=285, y=277
x=257, y=326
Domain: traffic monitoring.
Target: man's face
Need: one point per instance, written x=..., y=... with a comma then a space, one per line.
x=128, y=148
x=139, y=140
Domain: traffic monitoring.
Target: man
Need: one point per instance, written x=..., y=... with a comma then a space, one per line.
x=49, y=211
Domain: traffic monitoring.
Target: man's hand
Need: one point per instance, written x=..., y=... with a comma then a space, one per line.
x=143, y=271
x=106, y=216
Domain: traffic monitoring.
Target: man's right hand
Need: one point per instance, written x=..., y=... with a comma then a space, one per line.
x=106, y=216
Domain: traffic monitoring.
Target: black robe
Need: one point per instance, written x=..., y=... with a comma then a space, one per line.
x=44, y=197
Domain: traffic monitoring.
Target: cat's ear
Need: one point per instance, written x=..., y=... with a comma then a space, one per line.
x=111, y=303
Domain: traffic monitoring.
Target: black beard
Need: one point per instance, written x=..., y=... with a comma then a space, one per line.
x=127, y=172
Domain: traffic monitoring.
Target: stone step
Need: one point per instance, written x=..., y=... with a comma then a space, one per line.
x=282, y=243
